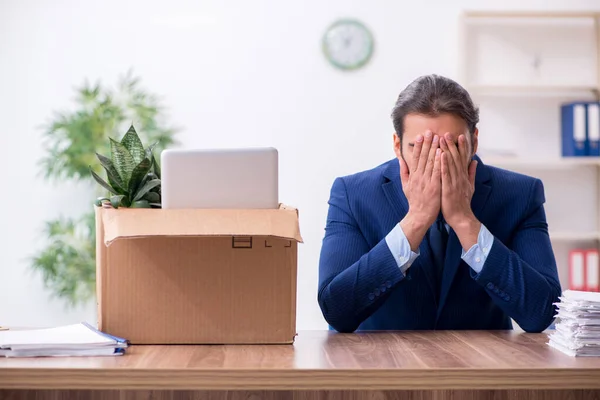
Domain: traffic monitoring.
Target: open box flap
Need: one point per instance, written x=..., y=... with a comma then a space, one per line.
x=138, y=223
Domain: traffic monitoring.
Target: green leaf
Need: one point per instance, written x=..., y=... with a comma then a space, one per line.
x=157, y=205
x=146, y=188
x=150, y=155
x=156, y=166
x=140, y=204
x=152, y=197
x=138, y=175
x=116, y=200
x=132, y=142
x=122, y=160
x=111, y=172
x=101, y=200
x=102, y=182
x=150, y=149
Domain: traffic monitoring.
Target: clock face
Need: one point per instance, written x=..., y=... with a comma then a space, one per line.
x=348, y=44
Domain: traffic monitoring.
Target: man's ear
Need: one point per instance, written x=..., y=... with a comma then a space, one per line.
x=397, y=146
x=475, y=142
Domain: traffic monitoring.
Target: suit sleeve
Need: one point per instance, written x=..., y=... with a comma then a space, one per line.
x=523, y=279
x=354, y=279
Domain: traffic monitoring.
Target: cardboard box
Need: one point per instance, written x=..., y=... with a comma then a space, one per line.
x=197, y=276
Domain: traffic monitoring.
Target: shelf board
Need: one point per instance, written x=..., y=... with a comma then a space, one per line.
x=549, y=163
x=531, y=14
x=574, y=236
x=535, y=90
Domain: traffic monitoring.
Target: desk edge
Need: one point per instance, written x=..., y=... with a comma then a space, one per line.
x=307, y=379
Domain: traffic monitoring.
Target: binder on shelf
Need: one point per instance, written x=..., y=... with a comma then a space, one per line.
x=593, y=129
x=574, y=129
x=592, y=271
x=577, y=272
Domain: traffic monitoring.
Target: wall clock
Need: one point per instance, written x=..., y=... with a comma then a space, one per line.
x=348, y=44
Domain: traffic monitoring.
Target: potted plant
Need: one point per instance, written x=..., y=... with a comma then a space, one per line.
x=132, y=172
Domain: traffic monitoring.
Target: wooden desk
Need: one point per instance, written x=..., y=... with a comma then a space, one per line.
x=320, y=365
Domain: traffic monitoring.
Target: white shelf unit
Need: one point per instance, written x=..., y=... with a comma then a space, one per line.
x=519, y=67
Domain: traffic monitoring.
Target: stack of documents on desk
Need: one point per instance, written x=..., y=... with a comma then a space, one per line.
x=71, y=340
x=577, y=329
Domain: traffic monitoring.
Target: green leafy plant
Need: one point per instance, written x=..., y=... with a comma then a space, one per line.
x=67, y=263
x=72, y=141
x=133, y=174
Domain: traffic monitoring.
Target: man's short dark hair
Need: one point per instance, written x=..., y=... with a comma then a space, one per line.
x=433, y=95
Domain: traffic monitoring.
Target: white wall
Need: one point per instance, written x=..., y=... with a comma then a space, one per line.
x=236, y=72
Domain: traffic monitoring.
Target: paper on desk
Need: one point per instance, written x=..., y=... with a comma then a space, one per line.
x=577, y=327
x=71, y=340
x=578, y=295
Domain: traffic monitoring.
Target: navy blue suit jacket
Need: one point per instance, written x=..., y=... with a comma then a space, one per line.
x=361, y=286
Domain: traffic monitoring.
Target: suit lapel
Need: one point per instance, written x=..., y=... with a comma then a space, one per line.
x=454, y=248
x=482, y=189
x=392, y=187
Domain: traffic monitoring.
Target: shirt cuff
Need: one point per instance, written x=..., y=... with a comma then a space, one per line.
x=400, y=248
x=478, y=253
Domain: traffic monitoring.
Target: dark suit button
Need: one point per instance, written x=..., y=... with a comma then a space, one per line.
x=371, y=296
x=377, y=293
x=490, y=285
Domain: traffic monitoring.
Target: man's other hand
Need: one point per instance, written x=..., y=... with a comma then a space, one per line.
x=422, y=187
x=458, y=186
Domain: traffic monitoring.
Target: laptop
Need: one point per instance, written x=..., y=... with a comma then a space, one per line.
x=245, y=178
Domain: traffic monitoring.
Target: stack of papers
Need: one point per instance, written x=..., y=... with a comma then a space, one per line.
x=71, y=340
x=577, y=328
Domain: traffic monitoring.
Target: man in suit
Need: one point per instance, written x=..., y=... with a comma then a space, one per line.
x=435, y=239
